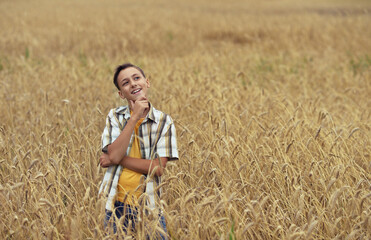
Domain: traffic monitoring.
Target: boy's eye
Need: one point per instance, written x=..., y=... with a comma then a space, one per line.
x=136, y=78
x=124, y=83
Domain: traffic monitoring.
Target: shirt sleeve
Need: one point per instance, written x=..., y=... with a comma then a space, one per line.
x=111, y=130
x=167, y=144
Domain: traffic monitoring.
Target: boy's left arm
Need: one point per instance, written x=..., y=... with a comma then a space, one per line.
x=145, y=166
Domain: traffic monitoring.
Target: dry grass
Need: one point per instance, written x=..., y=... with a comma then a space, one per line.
x=271, y=102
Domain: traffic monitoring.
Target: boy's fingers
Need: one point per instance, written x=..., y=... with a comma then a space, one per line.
x=103, y=160
x=143, y=100
x=104, y=164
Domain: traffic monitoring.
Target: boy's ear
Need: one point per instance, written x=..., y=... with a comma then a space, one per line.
x=121, y=95
x=147, y=81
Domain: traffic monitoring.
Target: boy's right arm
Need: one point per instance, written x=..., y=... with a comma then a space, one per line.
x=117, y=149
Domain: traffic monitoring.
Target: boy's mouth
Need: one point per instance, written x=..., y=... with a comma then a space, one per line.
x=136, y=91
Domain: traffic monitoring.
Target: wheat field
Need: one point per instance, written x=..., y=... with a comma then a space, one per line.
x=271, y=101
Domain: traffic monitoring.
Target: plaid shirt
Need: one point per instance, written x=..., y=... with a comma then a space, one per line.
x=157, y=139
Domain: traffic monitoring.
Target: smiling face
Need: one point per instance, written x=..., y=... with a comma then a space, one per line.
x=132, y=84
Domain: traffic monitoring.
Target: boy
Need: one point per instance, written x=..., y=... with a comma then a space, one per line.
x=137, y=139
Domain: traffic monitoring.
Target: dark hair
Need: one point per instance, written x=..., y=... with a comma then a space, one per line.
x=122, y=67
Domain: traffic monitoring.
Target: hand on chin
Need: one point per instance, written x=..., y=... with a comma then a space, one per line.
x=137, y=97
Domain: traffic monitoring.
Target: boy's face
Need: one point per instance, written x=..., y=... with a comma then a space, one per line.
x=132, y=84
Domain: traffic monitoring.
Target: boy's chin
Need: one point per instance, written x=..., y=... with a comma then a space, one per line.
x=137, y=97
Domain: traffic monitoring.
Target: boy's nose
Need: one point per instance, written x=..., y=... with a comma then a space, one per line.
x=133, y=83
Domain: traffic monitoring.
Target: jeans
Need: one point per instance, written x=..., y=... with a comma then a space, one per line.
x=129, y=213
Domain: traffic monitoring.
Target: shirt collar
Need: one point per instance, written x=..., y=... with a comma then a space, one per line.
x=124, y=110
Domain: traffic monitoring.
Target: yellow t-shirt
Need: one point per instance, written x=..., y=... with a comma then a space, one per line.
x=130, y=180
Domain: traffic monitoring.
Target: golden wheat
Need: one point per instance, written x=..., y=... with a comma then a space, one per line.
x=271, y=102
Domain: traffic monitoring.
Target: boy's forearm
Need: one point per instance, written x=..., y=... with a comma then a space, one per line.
x=144, y=166
x=117, y=149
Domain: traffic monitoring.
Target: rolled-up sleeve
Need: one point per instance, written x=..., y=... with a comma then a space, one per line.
x=111, y=130
x=167, y=144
